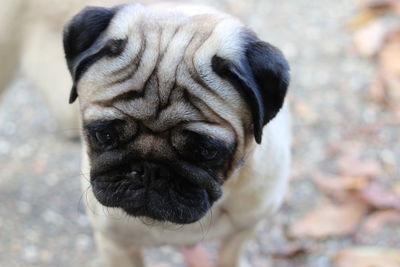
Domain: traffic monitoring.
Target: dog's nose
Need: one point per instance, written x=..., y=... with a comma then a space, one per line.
x=148, y=171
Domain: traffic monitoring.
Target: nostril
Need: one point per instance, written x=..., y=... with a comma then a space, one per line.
x=148, y=171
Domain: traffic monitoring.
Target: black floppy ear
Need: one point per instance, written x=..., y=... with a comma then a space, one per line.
x=262, y=75
x=80, y=36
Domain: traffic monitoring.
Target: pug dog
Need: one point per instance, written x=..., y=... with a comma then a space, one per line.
x=186, y=133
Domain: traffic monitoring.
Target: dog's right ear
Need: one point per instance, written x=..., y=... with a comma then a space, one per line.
x=261, y=74
x=81, y=41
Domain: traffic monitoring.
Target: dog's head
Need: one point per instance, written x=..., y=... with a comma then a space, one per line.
x=170, y=103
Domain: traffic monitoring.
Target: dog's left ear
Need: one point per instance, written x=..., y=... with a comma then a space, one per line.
x=262, y=75
x=83, y=44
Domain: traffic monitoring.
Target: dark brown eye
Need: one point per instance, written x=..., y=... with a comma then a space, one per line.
x=104, y=138
x=104, y=135
x=207, y=153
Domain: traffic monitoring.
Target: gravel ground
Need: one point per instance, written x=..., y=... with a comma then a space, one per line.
x=42, y=220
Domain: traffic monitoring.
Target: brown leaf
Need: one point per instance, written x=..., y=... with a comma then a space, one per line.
x=352, y=166
x=389, y=63
x=377, y=220
x=345, y=188
x=369, y=39
x=377, y=196
x=334, y=182
x=291, y=250
x=339, y=187
x=382, y=5
x=389, y=56
x=367, y=257
x=329, y=219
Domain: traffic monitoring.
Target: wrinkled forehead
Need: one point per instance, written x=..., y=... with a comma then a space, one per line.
x=170, y=43
x=135, y=18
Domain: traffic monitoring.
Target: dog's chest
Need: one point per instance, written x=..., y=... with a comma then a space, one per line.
x=131, y=231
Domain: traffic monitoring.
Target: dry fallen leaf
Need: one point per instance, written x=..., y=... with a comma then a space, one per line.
x=389, y=56
x=389, y=64
x=390, y=5
x=370, y=10
x=367, y=257
x=369, y=39
x=348, y=188
x=329, y=219
x=377, y=196
x=339, y=187
x=333, y=182
x=350, y=165
x=377, y=220
x=291, y=250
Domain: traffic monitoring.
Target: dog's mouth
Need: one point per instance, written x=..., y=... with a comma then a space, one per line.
x=182, y=195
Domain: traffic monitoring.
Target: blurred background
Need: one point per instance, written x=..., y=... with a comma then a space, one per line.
x=343, y=207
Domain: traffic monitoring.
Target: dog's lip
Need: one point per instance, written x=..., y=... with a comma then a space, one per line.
x=213, y=193
x=203, y=179
x=198, y=177
x=147, y=202
x=109, y=175
x=146, y=208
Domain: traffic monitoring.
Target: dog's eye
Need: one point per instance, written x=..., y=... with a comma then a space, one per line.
x=103, y=135
x=202, y=149
x=103, y=138
x=207, y=153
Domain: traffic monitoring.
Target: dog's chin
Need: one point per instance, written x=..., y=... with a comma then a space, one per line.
x=173, y=208
x=178, y=202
